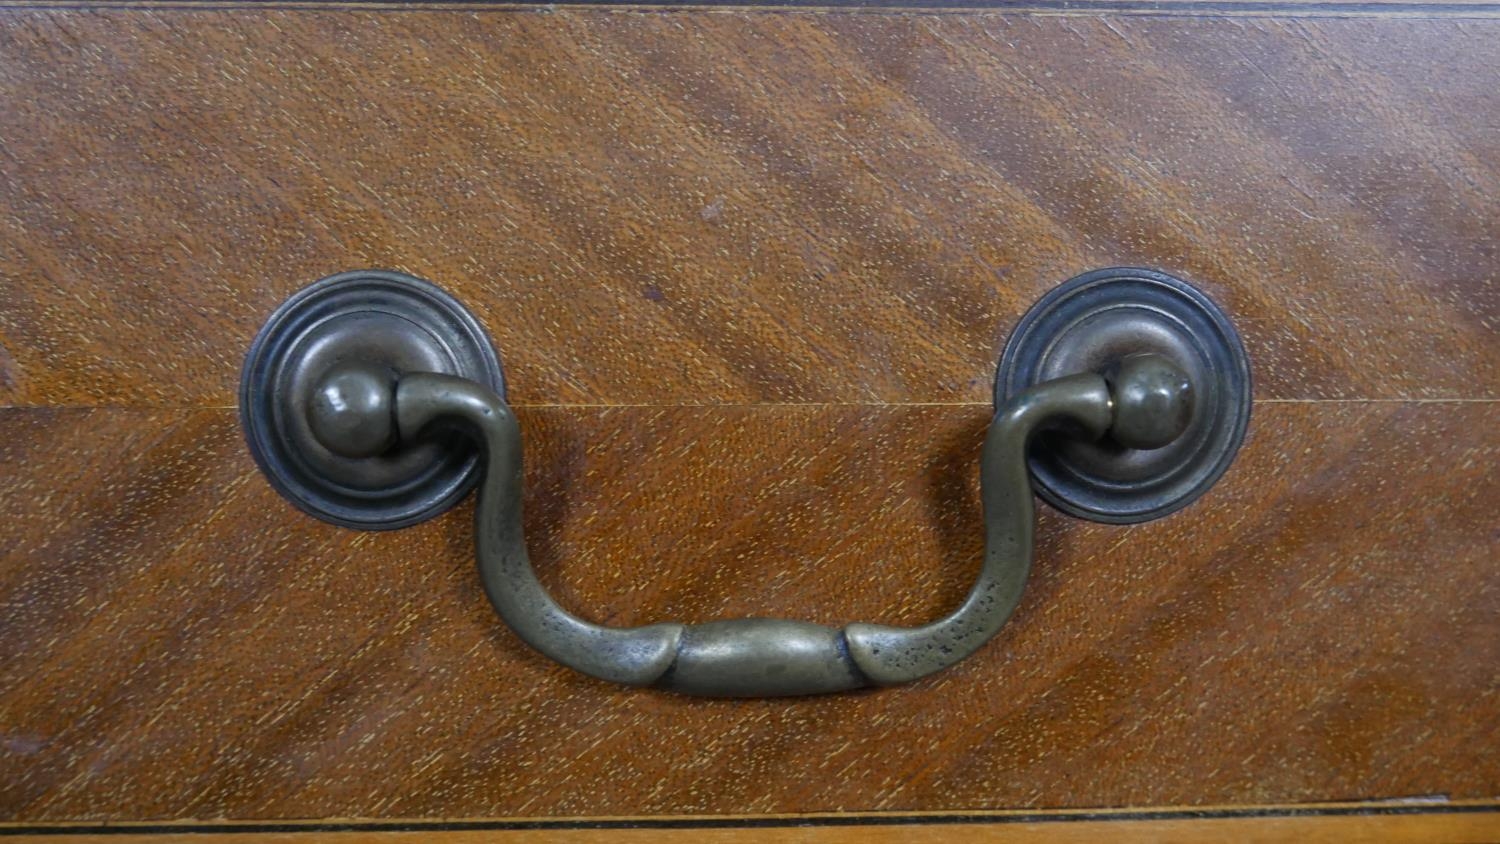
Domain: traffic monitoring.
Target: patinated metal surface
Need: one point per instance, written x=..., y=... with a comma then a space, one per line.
x=1089, y=324
x=754, y=656
x=356, y=404
x=389, y=320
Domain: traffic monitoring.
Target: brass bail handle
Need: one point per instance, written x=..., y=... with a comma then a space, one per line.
x=343, y=408
x=360, y=411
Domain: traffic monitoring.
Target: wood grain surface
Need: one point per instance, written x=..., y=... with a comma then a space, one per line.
x=182, y=644
x=749, y=273
x=741, y=207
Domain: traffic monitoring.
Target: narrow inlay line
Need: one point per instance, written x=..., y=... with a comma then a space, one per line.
x=1392, y=808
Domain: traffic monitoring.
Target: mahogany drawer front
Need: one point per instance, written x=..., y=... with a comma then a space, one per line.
x=749, y=272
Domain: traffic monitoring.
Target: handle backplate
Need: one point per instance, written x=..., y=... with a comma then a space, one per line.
x=1088, y=324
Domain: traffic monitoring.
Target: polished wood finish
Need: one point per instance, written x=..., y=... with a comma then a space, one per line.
x=183, y=644
x=743, y=207
x=749, y=273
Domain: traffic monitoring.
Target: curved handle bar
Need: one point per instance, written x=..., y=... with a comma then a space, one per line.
x=757, y=657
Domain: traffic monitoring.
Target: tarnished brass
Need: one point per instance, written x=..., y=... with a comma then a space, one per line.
x=361, y=408
x=1097, y=322
x=392, y=322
